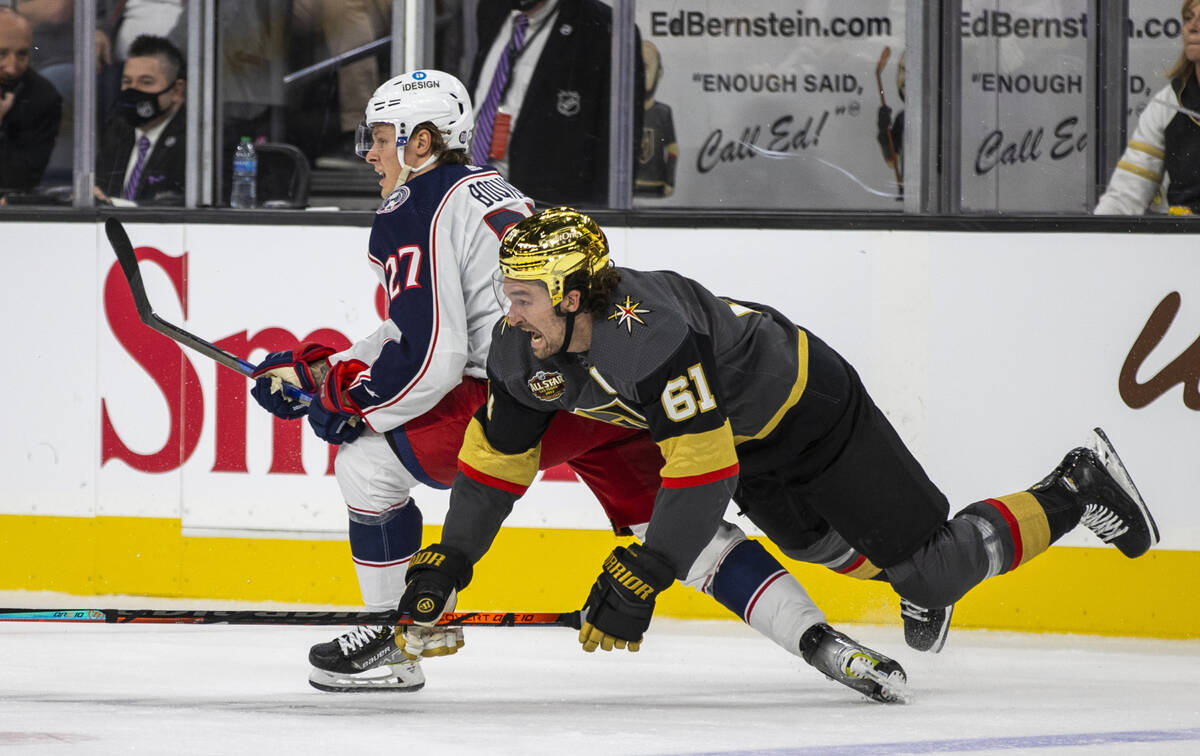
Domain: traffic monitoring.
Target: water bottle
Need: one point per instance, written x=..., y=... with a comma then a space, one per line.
x=245, y=176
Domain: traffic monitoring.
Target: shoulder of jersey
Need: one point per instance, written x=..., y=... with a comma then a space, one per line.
x=642, y=318
x=507, y=336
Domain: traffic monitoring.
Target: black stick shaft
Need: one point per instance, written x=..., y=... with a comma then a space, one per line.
x=118, y=239
x=205, y=617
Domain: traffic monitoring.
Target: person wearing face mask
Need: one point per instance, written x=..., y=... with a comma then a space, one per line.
x=141, y=155
x=30, y=109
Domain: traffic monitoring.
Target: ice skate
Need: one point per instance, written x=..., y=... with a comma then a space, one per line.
x=364, y=659
x=847, y=661
x=925, y=629
x=1112, y=507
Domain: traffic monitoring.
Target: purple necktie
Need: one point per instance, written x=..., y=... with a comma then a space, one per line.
x=136, y=175
x=486, y=119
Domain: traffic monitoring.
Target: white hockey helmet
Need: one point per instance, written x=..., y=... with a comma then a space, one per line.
x=412, y=98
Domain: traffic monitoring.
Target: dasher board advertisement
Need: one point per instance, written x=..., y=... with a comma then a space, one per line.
x=772, y=105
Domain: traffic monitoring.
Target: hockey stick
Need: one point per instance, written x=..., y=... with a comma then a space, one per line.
x=133, y=275
x=205, y=617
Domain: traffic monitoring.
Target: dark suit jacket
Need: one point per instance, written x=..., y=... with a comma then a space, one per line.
x=558, y=153
x=163, y=174
x=28, y=132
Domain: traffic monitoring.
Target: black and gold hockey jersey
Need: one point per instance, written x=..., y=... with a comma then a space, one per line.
x=701, y=373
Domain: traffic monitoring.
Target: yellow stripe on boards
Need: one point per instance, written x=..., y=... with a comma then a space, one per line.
x=1070, y=590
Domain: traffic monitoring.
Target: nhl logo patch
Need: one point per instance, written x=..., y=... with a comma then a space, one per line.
x=568, y=102
x=394, y=200
x=547, y=386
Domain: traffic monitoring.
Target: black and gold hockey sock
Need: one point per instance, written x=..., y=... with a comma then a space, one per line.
x=1021, y=528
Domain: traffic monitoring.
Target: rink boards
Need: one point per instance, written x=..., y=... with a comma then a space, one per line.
x=133, y=467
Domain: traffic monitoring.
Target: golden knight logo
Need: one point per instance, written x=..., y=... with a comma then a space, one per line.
x=547, y=386
x=628, y=313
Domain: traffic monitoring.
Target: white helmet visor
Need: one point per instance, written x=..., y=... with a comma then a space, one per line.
x=364, y=137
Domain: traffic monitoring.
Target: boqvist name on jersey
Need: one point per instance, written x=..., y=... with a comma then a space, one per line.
x=492, y=190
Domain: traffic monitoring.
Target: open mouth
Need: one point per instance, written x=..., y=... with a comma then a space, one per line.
x=535, y=338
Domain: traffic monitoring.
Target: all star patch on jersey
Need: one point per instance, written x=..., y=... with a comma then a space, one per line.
x=394, y=200
x=547, y=386
x=626, y=314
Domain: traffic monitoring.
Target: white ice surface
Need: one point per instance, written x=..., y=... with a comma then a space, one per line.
x=695, y=688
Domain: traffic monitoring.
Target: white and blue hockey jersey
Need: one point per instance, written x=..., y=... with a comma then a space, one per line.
x=434, y=245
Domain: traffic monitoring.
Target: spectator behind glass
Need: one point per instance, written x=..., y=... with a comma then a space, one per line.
x=30, y=109
x=1164, y=153
x=124, y=21
x=141, y=156
x=53, y=25
x=259, y=42
x=54, y=58
x=346, y=25
x=543, y=122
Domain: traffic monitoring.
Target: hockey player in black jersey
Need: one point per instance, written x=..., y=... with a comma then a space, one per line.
x=743, y=404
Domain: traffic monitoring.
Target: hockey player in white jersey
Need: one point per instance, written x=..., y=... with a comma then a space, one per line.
x=433, y=246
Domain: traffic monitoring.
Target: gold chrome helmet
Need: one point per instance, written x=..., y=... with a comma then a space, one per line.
x=550, y=246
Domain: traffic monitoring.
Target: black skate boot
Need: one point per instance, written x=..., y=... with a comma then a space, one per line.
x=364, y=659
x=847, y=661
x=925, y=629
x=1112, y=507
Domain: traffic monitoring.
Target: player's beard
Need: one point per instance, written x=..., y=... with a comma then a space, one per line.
x=541, y=345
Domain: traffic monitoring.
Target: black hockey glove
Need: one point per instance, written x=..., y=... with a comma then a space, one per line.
x=619, y=607
x=435, y=576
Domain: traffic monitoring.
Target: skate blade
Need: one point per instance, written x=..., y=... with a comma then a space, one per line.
x=1099, y=443
x=893, y=688
x=389, y=682
x=943, y=632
